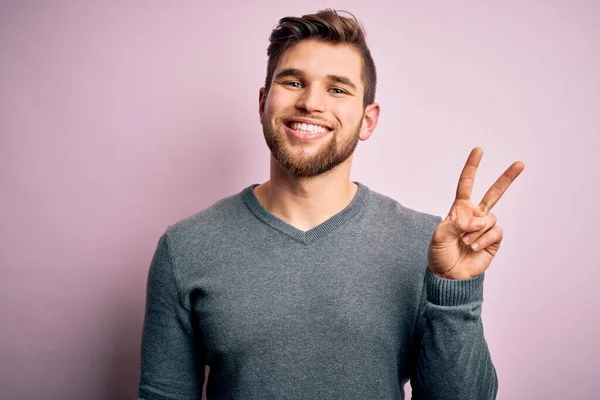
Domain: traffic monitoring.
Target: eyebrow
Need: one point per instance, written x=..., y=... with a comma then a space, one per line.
x=296, y=73
x=342, y=79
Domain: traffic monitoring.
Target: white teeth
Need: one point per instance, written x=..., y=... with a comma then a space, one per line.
x=308, y=128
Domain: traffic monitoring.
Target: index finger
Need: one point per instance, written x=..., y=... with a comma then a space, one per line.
x=467, y=176
x=495, y=192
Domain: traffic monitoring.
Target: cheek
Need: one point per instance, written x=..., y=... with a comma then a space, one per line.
x=269, y=113
x=274, y=107
x=350, y=117
x=279, y=98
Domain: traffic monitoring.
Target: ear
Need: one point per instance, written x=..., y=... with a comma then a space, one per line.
x=262, y=97
x=369, y=121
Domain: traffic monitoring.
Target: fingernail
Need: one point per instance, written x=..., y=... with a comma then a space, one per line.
x=474, y=246
x=465, y=239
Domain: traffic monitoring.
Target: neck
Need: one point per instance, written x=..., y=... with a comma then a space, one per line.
x=306, y=202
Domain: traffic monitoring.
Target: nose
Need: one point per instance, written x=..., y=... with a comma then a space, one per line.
x=312, y=99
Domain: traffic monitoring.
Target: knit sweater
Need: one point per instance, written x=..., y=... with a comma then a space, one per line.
x=346, y=310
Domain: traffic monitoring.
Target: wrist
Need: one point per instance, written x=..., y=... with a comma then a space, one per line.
x=453, y=275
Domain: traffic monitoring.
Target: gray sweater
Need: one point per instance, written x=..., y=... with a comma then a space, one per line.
x=346, y=310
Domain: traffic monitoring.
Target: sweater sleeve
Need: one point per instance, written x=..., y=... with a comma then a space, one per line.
x=171, y=366
x=452, y=356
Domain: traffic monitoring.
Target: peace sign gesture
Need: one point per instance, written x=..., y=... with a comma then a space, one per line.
x=465, y=243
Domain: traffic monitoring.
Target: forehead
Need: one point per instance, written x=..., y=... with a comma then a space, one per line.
x=319, y=59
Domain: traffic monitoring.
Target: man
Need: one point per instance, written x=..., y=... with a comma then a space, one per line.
x=310, y=285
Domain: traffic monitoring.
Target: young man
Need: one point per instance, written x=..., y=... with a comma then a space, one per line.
x=310, y=285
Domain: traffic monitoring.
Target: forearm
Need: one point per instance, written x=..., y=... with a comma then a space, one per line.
x=453, y=361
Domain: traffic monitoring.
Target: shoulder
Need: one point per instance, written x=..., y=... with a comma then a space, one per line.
x=219, y=216
x=390, y=212
x=391, y=224
x=399, y=231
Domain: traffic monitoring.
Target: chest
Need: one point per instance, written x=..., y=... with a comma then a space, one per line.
x=270, y=299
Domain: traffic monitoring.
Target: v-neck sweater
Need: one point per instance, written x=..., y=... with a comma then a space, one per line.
x=346, y=310
x=306, y=237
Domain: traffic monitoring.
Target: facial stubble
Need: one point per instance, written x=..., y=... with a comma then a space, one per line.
x=330, y=154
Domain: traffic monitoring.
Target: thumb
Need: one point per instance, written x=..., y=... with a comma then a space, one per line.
x=464, y=224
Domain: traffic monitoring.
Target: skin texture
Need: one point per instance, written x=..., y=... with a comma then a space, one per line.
x=303, y=87
x=310, y=179
x=465, y=243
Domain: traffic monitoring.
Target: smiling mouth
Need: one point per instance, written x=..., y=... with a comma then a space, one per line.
x=307, y=129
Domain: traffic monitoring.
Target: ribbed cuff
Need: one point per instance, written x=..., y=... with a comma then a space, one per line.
x=449, y=292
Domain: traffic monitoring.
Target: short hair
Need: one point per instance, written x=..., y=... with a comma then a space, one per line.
x=325, y=26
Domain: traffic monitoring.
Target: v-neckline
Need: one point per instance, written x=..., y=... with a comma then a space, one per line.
x=306, y=237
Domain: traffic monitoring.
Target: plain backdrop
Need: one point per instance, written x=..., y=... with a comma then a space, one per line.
x=118, y=118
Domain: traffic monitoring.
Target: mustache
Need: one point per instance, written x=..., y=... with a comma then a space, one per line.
x=287, y=117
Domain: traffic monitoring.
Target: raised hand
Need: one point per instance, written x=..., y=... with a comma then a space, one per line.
x=464, y=244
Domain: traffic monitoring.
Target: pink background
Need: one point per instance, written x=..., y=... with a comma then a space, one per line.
x=119, y=119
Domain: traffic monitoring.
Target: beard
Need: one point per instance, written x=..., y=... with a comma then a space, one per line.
x=329, y=155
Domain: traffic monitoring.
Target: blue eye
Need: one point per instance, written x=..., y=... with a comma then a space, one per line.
x=294, y=83
x=338, y=91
